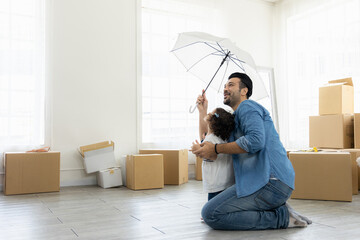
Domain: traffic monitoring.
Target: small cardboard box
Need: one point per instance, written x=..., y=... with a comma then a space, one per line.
x=144, y=171
x=337, y=97
x=109, y=178
x=322, y=175
x=198, y=168
x=98, y=156
x=33, y=172
x=175, y=165
x=357, y=130
x=331, y=131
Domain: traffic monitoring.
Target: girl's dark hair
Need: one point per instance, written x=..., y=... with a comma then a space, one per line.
x=222, y=123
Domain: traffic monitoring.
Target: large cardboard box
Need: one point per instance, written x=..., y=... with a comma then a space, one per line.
x=198, y=168
x=144, y=171
x=175, y=165
x=331, y=131
x=98, y=156
x=354, y=153
x=290, y=150
x=357, y=130
x=109, y=178
x=337, y=97
x=322, y=175
x=357, y=138
x=33, y=172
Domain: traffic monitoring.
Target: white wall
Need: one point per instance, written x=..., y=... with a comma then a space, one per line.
x=92, y=49
x=250, y=25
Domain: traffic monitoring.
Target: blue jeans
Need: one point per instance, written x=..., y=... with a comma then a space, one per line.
x=264, y=209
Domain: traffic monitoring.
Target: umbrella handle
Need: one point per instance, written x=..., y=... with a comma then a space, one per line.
x=192, y=109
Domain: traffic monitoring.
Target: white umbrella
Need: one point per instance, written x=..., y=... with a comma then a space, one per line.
x=203, y=55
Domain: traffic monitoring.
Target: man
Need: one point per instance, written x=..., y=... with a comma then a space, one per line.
x=264, y=176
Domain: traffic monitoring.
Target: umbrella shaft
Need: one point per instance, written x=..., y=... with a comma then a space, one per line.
x=222, y=62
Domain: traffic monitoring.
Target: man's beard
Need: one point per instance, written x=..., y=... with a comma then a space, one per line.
x=227, y=101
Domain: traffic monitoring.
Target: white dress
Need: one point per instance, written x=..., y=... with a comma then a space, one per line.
x=218, y=174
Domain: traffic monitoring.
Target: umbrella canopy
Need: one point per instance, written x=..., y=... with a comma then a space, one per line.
x=212, y=59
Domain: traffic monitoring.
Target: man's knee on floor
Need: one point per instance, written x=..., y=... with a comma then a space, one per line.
x=207, y=213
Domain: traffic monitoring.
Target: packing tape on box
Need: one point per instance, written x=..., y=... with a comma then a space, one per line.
x=310, y=150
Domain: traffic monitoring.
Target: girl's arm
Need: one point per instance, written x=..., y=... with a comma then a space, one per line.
x=202, y=107
x=203, y=128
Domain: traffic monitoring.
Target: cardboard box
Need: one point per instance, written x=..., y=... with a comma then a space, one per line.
x=288, y=152
x=144, y=171
x=337, y=97
x=357, y=130
x=98, y=156
x=33, y=172
x=357, y=138
x=198, y=168
x=354, y=153
x=175, y=165
x=109, y=178
x=322, y=175
x=331, y=131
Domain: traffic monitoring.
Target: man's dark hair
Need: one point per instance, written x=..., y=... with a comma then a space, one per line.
x=245, y=81
x=222, y=123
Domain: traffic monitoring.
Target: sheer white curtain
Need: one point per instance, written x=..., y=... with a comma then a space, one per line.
x=167, y=89
x=22, y=84
x=317, y=41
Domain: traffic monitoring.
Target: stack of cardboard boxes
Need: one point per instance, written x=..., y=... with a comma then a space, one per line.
x=100, y=158
x=152, y=168
x=332, y=173
x=334, y=128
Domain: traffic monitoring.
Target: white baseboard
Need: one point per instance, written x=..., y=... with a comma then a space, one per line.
x=78, y=177
x=79, y=182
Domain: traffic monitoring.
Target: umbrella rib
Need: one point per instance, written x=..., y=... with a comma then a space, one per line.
x=219, y=54
x=188, y=69
x=233, y=56
x=232, y=59
x=193, y=44
x=222, y=50
x=240, y=66
x=184, y=46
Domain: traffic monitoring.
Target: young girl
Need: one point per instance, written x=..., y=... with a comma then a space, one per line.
x=218, y=174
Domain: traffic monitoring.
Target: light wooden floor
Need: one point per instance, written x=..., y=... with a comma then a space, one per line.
x=171, y=213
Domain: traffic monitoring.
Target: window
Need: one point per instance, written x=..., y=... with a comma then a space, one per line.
x=323, y=44
x=267, y=75
x=167, y=89
x=22, y=85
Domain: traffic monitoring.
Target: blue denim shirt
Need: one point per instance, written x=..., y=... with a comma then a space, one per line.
x=265, y=158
